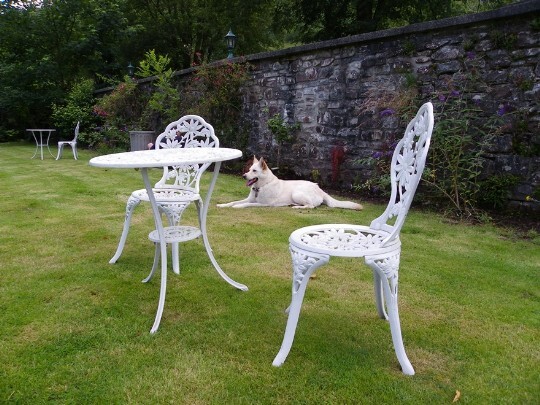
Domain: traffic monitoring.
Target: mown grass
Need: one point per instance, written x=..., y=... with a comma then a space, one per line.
x=75, y=329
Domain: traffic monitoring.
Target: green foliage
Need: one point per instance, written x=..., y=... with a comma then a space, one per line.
x=164, y=101
x=8, y=135
x=503, y=40
x=45, y=50
x=494, y=191
x=78, y=107
x=119, y=112
x=457, y=153
x=214, y=92
x=282, y=131
x=132, y=106
x=409, y=48
x=123, y=106
x=106, y=139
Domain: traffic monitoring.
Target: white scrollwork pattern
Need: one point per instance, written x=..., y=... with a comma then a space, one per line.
x=302, y=263
x=389, y=268
x=342, y=239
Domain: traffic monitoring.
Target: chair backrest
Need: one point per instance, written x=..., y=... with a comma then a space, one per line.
x=190, y=131
x=406, y=170
x=76, y=132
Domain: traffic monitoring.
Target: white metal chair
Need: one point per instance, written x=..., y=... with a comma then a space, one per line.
x=179, y=185
x=378, y=243
x=72, y=143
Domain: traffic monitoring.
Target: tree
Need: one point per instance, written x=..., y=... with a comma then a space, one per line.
x=328, y=19
x=192, y=31
x=48, y=46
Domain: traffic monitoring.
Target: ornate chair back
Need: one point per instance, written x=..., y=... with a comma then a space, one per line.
x=190, y=131
x=407, y=166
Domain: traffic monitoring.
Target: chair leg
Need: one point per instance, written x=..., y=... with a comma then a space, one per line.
x=60, y=149
x=74, y=148
x=379, y=297
x=174, y=214
x=387, y=268
x=131, y=204
x=304, y=264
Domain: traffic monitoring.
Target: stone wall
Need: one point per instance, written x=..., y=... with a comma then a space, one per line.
x=344, y=93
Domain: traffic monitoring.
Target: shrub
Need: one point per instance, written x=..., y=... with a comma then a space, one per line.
x=494, y=191
x=78, y=107
x=214, y=92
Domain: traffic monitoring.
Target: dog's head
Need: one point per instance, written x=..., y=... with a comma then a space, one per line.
x=257, y=171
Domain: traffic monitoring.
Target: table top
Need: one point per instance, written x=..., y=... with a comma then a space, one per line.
x=164, y=157
x=41, y=129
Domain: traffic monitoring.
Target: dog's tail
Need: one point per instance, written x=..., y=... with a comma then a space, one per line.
x=333, y=203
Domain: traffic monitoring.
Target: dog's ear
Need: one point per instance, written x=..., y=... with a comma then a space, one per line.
x=263, y=164
x=255, y=159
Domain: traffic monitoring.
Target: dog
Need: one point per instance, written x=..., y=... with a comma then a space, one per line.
x=267, y=190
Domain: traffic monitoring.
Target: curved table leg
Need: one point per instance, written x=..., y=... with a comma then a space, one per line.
x=163, y=249
x=37, y=146
x=202, y=219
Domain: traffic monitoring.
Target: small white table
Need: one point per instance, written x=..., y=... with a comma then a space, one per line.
x=39, y=139
x=160, y=158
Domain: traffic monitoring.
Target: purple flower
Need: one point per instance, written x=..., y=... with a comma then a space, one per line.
x=376, y=155
x=470, y=55
x=442, y=97
x=454, y=93
x=503, y=109
x=387, y=112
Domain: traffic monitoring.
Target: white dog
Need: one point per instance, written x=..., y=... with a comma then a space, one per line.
x=269, y=191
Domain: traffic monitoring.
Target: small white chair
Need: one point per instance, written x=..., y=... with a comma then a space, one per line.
x=378, y=244
x=72, y=143
x=179, y=185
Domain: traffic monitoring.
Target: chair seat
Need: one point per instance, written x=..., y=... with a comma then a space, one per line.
x=343, y=240
x=167, y=195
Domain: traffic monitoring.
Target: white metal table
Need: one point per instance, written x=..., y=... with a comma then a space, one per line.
x=160, y=158
x=39, y=139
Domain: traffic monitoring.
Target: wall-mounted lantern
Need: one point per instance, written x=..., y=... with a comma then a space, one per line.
x=131, y=69
x=230, y=39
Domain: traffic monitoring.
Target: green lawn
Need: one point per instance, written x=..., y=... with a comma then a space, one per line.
x=75, y=329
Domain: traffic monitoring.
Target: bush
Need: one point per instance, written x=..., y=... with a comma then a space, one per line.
x=494, y=191
x=78, y=107
x=214, y=92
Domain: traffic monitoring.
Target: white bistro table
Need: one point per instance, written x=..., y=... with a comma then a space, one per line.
x=160, y=158
x=39, y=139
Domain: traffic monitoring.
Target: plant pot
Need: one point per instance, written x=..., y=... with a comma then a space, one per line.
x=139, y=140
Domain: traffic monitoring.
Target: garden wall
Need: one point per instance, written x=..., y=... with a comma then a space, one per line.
x=340, y=91
x=352, y=97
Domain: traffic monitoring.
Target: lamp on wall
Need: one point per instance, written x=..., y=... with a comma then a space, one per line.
x=230, y=39
x=131, y=69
